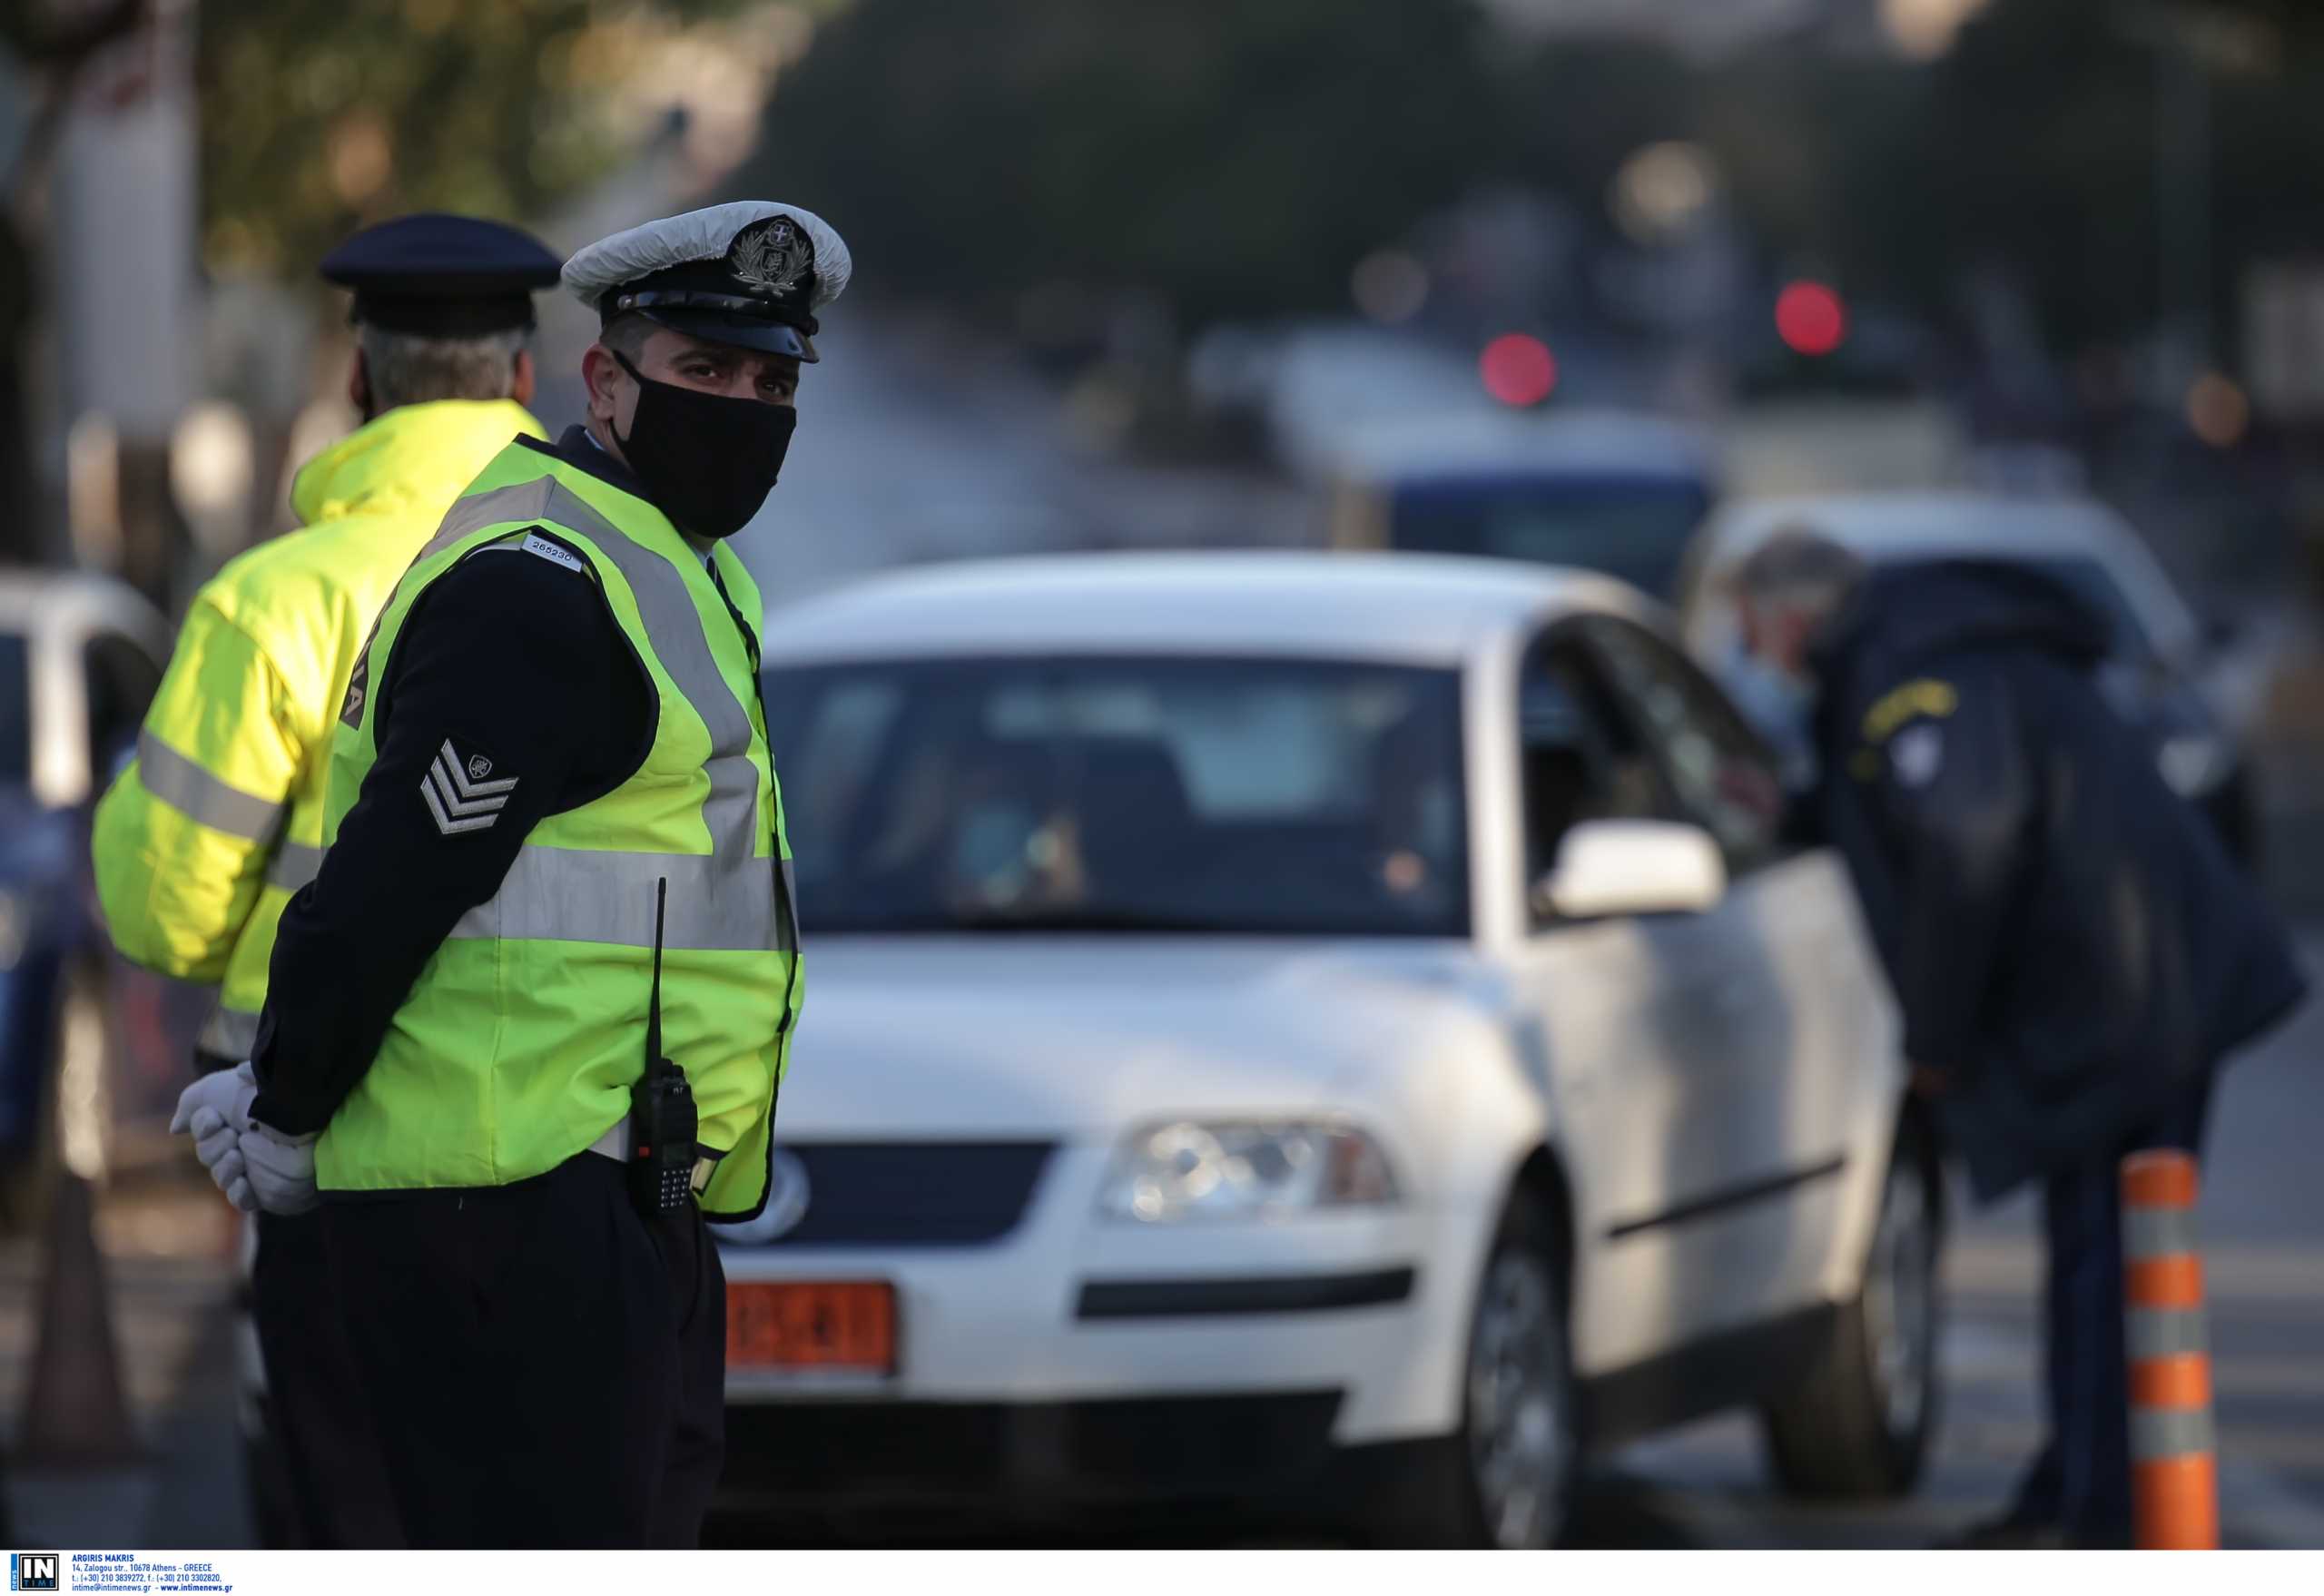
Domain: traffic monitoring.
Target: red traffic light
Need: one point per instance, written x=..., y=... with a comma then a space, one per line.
x=1518, y=369
x=1810, y=318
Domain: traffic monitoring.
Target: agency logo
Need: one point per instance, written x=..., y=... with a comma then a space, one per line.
x=33, y=1571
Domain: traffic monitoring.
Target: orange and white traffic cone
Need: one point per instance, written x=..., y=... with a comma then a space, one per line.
x=2174, y=1469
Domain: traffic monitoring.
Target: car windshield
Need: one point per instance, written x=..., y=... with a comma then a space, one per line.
x=16, y=710
x=1633, y=528
x=1124, y=794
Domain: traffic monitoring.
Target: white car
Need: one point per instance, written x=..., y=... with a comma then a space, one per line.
x=1287, y=1019
x=83, y=1059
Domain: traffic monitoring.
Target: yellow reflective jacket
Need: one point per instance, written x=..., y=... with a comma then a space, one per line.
x=219, y=819
x=517, y=1046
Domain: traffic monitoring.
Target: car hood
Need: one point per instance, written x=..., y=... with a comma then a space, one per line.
x=1052, y=1037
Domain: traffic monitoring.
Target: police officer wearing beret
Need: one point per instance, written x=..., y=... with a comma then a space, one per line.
x=527, y=1027
x=219, y=818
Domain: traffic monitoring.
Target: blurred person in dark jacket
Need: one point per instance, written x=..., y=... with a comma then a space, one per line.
x=2071, y=951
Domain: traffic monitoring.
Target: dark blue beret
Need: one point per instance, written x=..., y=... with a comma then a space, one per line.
x=442, y=276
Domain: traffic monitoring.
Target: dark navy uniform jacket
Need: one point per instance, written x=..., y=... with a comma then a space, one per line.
x=2066, y=937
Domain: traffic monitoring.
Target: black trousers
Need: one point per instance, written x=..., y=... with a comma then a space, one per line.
x=318, y=1415
x=2081, y=1479
x=549, y=1366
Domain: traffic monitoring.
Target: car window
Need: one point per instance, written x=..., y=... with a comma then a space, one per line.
x=15, y=709
x=1580, y=757
x=1719, y=773
x=1217, y=795
x=121, y=679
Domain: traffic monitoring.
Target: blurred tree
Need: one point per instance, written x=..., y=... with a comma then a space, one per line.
x=1223, y=156
x=321, y=115
x=1580, y=106
x=2038, y=142
x=2033, y=147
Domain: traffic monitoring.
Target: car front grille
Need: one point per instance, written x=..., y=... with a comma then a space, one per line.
x=929, y=1194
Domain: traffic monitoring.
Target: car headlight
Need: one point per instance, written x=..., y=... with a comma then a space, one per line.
x=1190, y=1170
x=2194, y=764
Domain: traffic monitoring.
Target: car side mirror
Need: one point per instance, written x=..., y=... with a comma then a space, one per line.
x=1616, y=867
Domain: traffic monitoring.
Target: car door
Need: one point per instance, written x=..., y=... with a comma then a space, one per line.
x=1774, y=1061
x=1621, y=1009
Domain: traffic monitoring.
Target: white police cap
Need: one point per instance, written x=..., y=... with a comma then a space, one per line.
x=752, y=272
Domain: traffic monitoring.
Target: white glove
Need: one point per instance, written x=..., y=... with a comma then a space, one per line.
x=217, y=1109
x=278, y=1172
x=228, y=1091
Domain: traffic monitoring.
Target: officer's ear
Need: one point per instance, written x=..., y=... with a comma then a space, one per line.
x=601, y=374
x=522, y=385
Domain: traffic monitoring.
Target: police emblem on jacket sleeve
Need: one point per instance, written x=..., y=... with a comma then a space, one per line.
x=459, y=796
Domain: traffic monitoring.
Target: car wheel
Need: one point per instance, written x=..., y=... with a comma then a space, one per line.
x=1859, y=1426
x=1504, y=1480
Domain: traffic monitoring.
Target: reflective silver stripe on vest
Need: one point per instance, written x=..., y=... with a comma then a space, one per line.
x=295, y=865
x=230, y=1033
x=676, y=625
x=527, y=501
x=184, y=785
x=726, y=898
x=588, y=895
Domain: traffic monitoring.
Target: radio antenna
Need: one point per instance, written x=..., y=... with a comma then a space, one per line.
x=654, y=1014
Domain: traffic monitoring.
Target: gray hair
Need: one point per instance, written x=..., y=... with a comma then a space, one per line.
x=1797, y=567
x=625, y=335
x=409, y=369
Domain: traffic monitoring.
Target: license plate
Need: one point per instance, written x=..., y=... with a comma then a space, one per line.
x=837, y=1325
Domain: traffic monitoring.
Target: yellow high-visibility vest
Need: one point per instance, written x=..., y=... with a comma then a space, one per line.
x=516, y=1047
x=219, y=819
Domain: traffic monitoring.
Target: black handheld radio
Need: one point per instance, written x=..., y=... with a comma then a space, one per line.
x=662, y=1118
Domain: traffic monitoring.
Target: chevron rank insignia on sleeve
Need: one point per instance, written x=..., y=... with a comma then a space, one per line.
x=461, y=794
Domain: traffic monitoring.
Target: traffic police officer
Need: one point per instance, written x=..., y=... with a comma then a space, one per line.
x=219, y=817
x=558, y=717
x=2072, y=949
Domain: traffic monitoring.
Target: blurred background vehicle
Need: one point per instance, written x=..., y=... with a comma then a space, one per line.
x=2160, y=656
x=1282, y=1014
x=1597, y=491
x=80, y=657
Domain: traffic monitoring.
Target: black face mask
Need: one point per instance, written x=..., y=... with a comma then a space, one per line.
x=707, y=461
